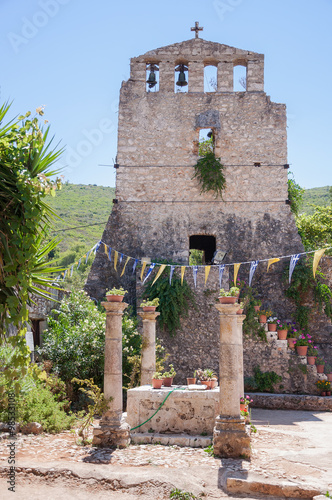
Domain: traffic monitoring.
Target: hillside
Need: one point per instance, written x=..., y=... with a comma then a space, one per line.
x=318, y=196
x=79, y=206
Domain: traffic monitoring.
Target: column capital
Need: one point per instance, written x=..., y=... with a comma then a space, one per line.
x=240, y=318
x=149, y=315
x=228, y=309
x=115, y=308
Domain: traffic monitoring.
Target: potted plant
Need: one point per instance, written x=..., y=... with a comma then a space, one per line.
x=241, y=307
x=192, y=380
x=282, y=329
x=207, y=377
x=324, y=386
x=311, y=354
x=272, y=323
x=302, y=343
x=229, y=296
x=263, y=315
x=320, y=363
x=115, y=295
x=257, y=304
x=245, y=402
x=157, y=380
x=292, y=335
x=150, y=305
x=168, y=376
x=328, y=371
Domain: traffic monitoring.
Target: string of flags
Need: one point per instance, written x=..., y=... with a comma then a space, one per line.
x=118, y=258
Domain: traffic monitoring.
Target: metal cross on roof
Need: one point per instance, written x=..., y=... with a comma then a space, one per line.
x=196, y=29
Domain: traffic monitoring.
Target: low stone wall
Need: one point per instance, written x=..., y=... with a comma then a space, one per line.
x=290, y=402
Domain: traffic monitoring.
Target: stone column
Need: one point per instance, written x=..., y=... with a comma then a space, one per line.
x=225, y=76
x=148, y=365
x=240, y=318
x=113, y=431
x=230, y=436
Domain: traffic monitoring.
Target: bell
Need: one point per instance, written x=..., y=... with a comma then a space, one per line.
x=152, y=79
x=182, y=79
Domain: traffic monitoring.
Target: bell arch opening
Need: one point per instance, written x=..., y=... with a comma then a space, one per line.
x=240, y=78
x=181, y=78
x=201, y=249
x=210, y=78
x=152, y=80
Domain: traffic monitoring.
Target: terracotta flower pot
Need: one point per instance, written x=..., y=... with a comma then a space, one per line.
x=262, y=318
x=257, y=308
x=291, y=342
x=214, y=383
x=328, y=393
x=272, y=327
x=167, y=382
x=227, y=300
x=191, y=381
x=320, y=368
x=301, y=350
x=114, y=298
x=240, y=311
x=282, y=334
x=243, y=407
x=323, y=393
x=329, y=377
x=311, y=360
x=157, y=383
x=208, y=383
x=149, y=308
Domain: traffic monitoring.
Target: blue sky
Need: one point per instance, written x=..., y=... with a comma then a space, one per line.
x=72, y=55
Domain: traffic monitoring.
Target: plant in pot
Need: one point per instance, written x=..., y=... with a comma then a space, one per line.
x=292, y=335
x=328, y=371
x=320, y=363
x=207, y=377
x=241, y=307
x=324, y=386
x=263, y=315
x=168, y=376
x=272, y=323
x=311, y=354
x=150, y=305
x=192, y=380
x=302, y=343
x=257, y=304
x=282, y=329
x=157, y=380
x=229, y=296
x=245, y=402
x=115, y=294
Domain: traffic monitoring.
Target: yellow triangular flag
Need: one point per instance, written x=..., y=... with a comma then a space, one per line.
x=271, y=261
x=162, y=267
x=115, y=258
x=317, y=256
x=236, y=270
x=124, y=267
x=207, y=271
x=105, y=248
x=143, y=268
x=183, y=268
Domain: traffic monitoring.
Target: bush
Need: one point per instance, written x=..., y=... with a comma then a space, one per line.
x=261, y=381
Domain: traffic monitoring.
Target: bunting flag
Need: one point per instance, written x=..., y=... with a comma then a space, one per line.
x=317, y=256
x=183, y=269
x=105, y=248
x=79, y=263
x=236, y=270
x=65, y=274
x=221, y=272
x=271, y=261
x=143, y=268
x=149, y=272
x=293, y=262
x=71, y=270
x=87, y=256
x=110, y=254
x=207, y=272
x=134, y=266
x=124, y=267
x=195, y=271
x=171, y=274
x=115, y=258
x=253, y=267
x=121, y=257
x=96, y=247
x=162, y=267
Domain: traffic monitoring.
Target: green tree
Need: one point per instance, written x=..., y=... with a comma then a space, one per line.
x=316, y=229
x=295, y=194
x=25, y=161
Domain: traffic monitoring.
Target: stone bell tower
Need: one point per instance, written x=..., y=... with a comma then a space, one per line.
x=159, y=211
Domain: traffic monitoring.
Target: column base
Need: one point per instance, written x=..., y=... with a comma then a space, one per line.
x=111, y=434
x=231, y=439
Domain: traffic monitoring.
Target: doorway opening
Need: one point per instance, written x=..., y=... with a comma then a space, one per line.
x=201, y=249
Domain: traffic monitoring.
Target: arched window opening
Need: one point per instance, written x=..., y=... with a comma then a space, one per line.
x=181, y=78
x=205, y=141
x=152, y=80
x=210, y=78
x=201, y=249
x=240, y=78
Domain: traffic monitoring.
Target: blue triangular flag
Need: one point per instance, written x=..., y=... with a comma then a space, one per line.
x=171, y=274
x=135, y=264
x=149, y=272
x=221, y=272
x=195, y=271
x=253, y=267
x=79, y=263
x=293, y=262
